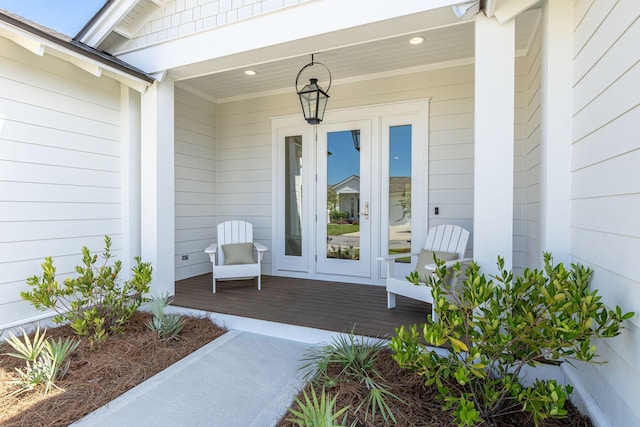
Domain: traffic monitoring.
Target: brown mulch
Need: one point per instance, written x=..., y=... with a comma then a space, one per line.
x=421, y=409
x=96, y=377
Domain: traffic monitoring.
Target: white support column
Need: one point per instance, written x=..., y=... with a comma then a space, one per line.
x=555, y=143
x=157, y=186
x=493, y=146
x=130, y=140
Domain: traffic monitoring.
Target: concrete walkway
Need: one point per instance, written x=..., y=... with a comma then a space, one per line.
x=240, y=379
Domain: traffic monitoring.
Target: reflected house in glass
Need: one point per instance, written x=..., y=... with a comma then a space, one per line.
x=348, y=197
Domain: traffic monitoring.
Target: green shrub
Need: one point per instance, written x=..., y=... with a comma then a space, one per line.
x=167, y=326
x=46, y=360
x=494, y=329
x=93, y=303
x=356, y=360
x=338, y=216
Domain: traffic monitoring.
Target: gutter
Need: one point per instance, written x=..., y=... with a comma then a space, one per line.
x=74, y=46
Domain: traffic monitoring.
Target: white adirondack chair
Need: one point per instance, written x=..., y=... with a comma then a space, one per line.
x=443, y=238
x=234, y=232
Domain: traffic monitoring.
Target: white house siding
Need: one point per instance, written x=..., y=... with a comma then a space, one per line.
x=244, y=145
x=195, y=178
x=605, y=191
x=180, y=17
x=244, y=163
x=60, y=169
x=533, y=256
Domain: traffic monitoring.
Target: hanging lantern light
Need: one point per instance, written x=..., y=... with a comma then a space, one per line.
x=355, y=135
x=312, y=97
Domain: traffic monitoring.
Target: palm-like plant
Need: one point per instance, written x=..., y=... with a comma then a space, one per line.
x=46, y=360
x=317, y=413
x=356, y=358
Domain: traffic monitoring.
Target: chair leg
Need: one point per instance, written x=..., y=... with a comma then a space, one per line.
x=214, y=284
x=259, y=283
x=391, y=300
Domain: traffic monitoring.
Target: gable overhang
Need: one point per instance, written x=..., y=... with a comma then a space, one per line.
x=41, y=42
x=111, y=18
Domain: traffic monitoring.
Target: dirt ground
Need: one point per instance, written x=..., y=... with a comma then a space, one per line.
x=97, y=376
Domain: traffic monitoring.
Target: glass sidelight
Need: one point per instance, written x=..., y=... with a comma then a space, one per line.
x=293, y=196
x=400, y=191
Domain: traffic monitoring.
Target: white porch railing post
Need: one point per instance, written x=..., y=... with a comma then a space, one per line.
x=157, y=184
x=493, y=146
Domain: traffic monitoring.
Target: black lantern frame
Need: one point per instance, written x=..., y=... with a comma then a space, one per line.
x=313, y=98
x=355, y=135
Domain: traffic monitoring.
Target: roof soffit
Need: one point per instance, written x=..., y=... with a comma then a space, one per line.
x=211, y=51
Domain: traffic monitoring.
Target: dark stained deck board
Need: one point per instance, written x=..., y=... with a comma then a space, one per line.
x=317, y=304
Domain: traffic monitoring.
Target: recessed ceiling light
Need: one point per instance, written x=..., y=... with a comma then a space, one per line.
x=416, y=40
x=250, y=72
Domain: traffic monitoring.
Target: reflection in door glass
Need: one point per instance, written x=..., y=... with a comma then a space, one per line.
x=293, y=196
x=400, y=191
x=343, y=195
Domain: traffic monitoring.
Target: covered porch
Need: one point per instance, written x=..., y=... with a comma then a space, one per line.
x=215, y=128
x=331, y=306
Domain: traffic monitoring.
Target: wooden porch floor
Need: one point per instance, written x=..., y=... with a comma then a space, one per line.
x=312, y=303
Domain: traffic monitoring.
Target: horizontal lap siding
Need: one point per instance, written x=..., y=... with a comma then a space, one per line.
x=244, y=163
x=605, y=193
x=60, y=169
x=451, y=147
x=195, y=182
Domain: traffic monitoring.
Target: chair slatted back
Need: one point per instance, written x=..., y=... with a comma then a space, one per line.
x=233, y=232
x=447, y=238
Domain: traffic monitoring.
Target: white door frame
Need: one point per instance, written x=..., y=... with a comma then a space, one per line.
x=415, y=113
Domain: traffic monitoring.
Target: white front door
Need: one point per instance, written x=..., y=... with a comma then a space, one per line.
x=344, y=205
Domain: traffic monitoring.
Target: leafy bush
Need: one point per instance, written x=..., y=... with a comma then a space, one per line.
x=166, y=326
x=94, y=302
x=357, y=362
x=45, y=360
x=317, y=413
x=493, y=330
x=338, y=216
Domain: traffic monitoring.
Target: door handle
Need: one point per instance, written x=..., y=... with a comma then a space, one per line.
x=366, y=210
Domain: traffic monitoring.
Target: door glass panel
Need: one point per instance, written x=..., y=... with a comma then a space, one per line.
x=400, y=191
x=293, y=196
x=343, y=195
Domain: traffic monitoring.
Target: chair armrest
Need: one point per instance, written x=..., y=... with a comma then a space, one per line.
x=261, y=250
x=211, y=251
x=391, y=264
x=394, y=257
x=449, y=264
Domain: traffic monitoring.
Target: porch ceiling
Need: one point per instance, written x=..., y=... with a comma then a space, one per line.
x=376, y=58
